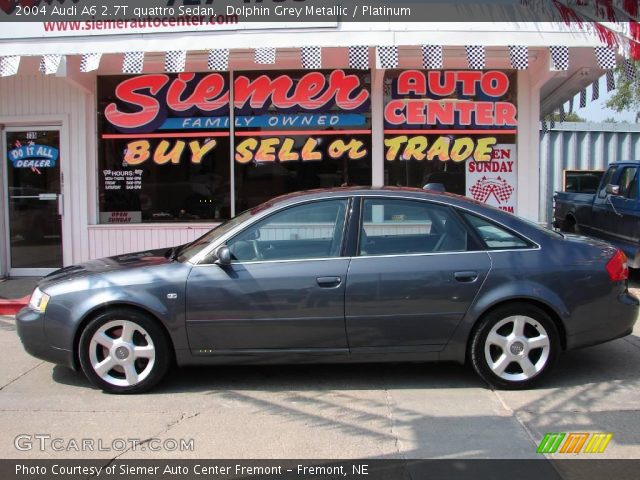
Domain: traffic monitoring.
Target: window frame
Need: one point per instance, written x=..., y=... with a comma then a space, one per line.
x=529, y=244
x=473, y=243
x=346, y=221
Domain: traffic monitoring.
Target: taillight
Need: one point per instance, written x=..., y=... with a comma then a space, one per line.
x=617, y=267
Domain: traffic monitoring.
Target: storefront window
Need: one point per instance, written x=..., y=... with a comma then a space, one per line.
x=300, y=130
x=457, y=128
x=164, y=147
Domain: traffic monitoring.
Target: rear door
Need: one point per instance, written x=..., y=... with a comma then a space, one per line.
x=414, y=275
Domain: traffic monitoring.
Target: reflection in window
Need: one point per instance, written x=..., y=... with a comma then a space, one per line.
x=495, y=236
x=396, y=227
x=312, y=230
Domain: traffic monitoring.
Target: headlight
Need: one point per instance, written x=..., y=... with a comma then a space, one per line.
x=39, y=300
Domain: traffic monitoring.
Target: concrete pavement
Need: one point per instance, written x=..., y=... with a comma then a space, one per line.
x=352, y=411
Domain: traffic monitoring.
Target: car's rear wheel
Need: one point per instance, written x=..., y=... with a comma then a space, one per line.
x=124, y=351
x=515, y=346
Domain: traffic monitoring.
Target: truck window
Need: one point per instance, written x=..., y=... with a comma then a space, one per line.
x=607, y=180
x=629, y=182
x=582, y=181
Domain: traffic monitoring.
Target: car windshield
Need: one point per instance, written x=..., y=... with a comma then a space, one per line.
x=190, y=250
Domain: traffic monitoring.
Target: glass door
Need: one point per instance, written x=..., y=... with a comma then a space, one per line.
x=32, y=162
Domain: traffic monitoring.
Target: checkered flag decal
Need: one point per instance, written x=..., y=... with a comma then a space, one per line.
x=595, y=89
x=475, y=56
x=387, y=56
x=49, y=64
x=265, y=55
x=432, y=57
x=175, y=61
x=519, y=56
x=583, y=98
x=484, y=188
x=359, y=57
x=133, y=62
x=611, y=81
x=90, y=62
x=218, y=59
x=559, y=58
x=9, y=65
x=311, y=57
x=629, y=70
x=606, y=57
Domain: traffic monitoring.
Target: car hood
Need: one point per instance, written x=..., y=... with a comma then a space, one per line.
x=109, y=264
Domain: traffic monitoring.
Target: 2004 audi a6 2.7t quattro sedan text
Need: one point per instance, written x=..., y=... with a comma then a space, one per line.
x=351, y=274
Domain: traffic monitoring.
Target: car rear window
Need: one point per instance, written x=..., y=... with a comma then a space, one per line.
x=495, y=236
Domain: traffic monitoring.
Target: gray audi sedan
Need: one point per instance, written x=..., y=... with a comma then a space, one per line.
x=343, y=275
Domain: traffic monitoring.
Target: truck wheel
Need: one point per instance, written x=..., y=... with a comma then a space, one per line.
x=515, y=346
x=570, y=225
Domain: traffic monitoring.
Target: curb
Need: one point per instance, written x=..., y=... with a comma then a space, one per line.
x=13, y=306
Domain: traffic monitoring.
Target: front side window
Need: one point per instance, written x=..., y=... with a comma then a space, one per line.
x=493, y=236
x=312, y=230
x=397, y=227
x=629, y=183
x=607, y=180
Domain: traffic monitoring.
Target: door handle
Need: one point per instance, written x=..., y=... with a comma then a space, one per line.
x=468, y=276
x=329, y=282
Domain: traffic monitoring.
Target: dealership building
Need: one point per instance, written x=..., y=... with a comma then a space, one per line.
x=131, y=137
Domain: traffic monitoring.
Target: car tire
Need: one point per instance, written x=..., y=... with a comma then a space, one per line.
x=124, y=351
x=570, y=226
x=515, y=346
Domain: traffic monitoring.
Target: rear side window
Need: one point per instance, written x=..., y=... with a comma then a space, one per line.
x=494, y=236
x=397, y=227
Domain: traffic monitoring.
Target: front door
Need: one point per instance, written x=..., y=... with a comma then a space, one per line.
x=34, y=226
x=283, y=291
x=413, y=277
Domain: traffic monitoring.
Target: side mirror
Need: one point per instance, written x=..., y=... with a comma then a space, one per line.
x=613, y=189
x=223, y=255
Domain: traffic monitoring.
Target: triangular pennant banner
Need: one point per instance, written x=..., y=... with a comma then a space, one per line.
x=133, y=62
x=519, y=57
x=563, y=114
x=90, y=62
x=629, y=70
x=175, y=61
x=559, y=58
x=387, y=56
x=595, y=89
x=606, y=57
x=359, y=57
x=9, y=65
x=311, y=57
x=583, y=98
x=552, y=121
x=611, y=81
x=545, y=127
x=265, y=55
x=475, y=56
x=571, y=105
x=432, y=57
x=49, y=64
x=218, y=59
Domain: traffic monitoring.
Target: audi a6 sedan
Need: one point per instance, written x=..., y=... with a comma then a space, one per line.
x=341, y=275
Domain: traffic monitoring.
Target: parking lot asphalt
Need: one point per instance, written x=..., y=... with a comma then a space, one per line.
x=335, y=411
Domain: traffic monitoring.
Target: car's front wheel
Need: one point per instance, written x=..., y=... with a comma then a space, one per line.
x=124, y=351
x=515, y=346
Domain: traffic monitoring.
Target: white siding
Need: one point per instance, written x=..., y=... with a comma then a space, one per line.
x=39, y=99
x=108, y=241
